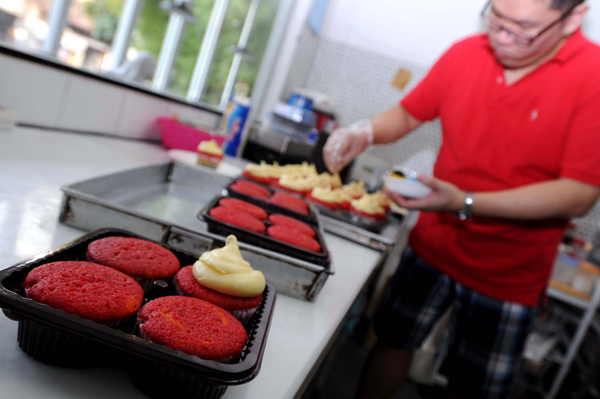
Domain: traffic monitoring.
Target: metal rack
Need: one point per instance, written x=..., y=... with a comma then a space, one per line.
x=572, y=344
x=589, y=310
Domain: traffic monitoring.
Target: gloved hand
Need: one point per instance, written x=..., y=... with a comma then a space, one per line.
x=347, y=143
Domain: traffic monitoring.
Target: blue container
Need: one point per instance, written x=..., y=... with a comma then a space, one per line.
x=300, y=101
x=235, y=126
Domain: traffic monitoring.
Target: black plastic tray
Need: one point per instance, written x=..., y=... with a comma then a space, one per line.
x=56, y=337
x=263, y=240
x=272, y=208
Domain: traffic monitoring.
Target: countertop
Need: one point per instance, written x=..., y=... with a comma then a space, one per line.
x=35, y=163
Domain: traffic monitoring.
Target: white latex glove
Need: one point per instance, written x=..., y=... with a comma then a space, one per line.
x=347, y=143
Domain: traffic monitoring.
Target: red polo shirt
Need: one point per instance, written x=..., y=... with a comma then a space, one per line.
x=497, y=137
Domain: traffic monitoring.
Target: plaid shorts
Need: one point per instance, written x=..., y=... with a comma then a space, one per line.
x=487, y=335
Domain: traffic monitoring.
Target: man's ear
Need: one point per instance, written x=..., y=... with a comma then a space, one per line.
x=575, y=19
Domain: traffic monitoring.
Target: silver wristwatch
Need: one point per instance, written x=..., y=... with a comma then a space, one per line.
x=467, y=209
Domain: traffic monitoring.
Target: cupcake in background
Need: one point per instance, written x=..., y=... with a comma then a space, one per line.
x=369, y=205
x=383, y=200
x=223, y=278
x=328, y=197
x=142, y=260
x=209, y=153
x=192, y=326
x=354, y=190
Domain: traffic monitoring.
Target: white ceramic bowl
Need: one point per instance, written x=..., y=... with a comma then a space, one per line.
x=406, y=187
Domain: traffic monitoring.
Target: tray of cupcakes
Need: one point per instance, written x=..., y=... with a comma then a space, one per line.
x=112, y=297
x=350, y=203
x=276, y=201
x=266, y=228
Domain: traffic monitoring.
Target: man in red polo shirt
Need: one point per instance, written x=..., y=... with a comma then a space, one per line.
x=520, y=114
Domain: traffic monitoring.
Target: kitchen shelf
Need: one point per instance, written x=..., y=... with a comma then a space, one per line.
x=589, y=307
x=568, y=298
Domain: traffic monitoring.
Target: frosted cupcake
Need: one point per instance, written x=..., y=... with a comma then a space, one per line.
x=369, y=205
x=223, y=278
x=209, y=153
x=327, y=197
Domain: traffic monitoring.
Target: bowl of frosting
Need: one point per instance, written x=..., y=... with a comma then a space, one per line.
x=405, y=184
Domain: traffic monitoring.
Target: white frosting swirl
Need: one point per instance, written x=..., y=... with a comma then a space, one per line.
x=225, y=271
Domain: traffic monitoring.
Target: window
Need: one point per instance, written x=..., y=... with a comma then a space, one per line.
x=219, y=45
x=256, y=46
x=23, y=23
x=87, y=37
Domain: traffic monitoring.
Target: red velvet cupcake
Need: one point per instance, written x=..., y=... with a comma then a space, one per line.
x=241, y=308
x=370, y=206
x=90, y=291
x=224, y=278
x=237, y=218
x=259, y=179
x=192, y=326
x=143, y=260
x=290, y=202
x=293, y=237
x=281, y=220
x=250, y=189
x=244, y=206
x=263, y=191
x=290, y=189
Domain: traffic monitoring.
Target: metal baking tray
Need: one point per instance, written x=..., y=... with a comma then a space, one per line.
x=56, y=337
x=161, y=202
x=263, y=240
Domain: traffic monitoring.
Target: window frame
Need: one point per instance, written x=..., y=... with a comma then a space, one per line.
x=130, y=13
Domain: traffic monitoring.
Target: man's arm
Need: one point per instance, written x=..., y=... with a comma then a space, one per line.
x=393, y=124
x=347, y=143
x=561, y=198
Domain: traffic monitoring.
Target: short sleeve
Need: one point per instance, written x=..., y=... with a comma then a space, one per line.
x=581, y=157
x=424, y=101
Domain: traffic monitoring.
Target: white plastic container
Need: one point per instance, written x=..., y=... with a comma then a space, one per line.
x=406, y=187
x=564, y=269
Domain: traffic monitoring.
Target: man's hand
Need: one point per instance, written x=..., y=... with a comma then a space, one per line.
x=560, y=198
x=444, y=197
x=347, y=143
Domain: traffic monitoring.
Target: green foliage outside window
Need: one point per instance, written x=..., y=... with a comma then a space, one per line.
x=152, y=24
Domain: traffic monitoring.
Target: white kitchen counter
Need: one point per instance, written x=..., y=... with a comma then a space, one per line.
x=33, y=166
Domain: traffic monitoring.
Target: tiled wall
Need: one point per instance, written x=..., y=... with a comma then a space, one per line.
x=359, y=83
x=48, y=97
x=302, y=63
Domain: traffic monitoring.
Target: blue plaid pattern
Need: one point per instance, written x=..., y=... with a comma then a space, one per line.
x=487, y=336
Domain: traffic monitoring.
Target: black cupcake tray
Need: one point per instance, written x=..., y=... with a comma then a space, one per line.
x=272, y=208
x=263, y=240
x=56, y=337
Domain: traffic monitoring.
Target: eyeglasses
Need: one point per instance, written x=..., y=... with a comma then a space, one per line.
x=524, y=39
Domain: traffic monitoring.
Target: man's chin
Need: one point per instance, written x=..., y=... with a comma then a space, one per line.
x=508, y=62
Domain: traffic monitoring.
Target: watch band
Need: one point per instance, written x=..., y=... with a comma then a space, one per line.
x=467, y=209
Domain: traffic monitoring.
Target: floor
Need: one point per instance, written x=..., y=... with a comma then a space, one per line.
x=340, y=381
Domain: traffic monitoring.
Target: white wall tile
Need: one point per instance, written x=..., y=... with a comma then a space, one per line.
x=139, y=118
x=32, y=91
x=91, y=106
x=194, y=115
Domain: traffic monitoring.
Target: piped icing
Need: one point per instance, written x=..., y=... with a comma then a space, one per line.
x=210, y=147
x=225, y=271
x=368, y=203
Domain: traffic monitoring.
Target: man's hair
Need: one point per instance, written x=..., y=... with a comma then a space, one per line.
x=565, y=5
